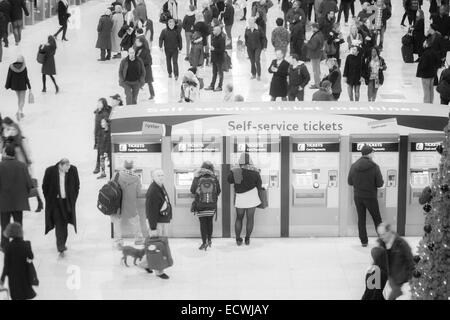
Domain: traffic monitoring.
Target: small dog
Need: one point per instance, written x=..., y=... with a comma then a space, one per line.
x=132, y=252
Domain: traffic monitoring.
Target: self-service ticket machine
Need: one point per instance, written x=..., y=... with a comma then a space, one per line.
x=188, y=154
x=145, y=152
x=423, y=165
x=387, y=158
x=314, y=208
x=264, y=152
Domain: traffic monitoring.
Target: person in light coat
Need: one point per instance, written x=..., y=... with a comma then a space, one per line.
x=118, y=22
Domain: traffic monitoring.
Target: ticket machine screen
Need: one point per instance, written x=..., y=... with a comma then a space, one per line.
x=184, y=178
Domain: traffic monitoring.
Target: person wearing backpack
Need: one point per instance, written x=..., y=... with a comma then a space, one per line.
x=247, y=184
x=61, y=186
x=206, y=188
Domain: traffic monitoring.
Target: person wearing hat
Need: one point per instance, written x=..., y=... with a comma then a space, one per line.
x=365, y=177
x=61, y=187
x=15, y=186
x=116, y=100
x=17, y=255
x=247, y=182
x=104, y=29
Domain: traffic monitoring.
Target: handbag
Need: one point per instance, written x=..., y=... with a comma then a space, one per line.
x=34, y=191
x=262, y=193
x=40, y=57
x=30, y=97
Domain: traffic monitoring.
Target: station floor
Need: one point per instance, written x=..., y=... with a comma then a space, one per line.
x=62, y=126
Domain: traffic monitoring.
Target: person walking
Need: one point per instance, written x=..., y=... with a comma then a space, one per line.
x=427, y=68
x=48, y=67
x=373, y=73
x=280, y=70
x=5, y=18
x=18, y=7
x=218, y=41
x=299, y=77
x=353, y=73
x=63, y=17
x=61, y=186
x=158, y=210
x=171, y=39
x=102, y=111
x=254, y=41
x=365, y=177
x=17, y=256
x=345, y=7
x=400, y=259
x=315, y=52
x=297, y=38
x=132, y=76
x=228, y=20
x=188, y=27
x=17, y=80
x=376, y=275
x=104, y=28
x=15, y=186
x=118, y=21
x=247, y=183
x=280, y=38
x=140, y=11
x=143, y=51
x=104, y=146
x=206, y=189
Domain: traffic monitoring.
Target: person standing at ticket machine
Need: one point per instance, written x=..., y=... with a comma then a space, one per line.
x=247, y=182
x=365, y=177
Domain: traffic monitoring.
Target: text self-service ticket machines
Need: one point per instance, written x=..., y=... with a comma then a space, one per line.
x=264, y=152
x=188, y=154
x=423, y=165
x=387, y=157
x=314, y=187
x=145, y=152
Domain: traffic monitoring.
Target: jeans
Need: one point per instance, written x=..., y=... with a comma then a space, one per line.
x=363, y=204
x=206, y=228
x=372, y=90
x=21, y=99
x=61, y=219
x=355, y=89
x=172, y=57
x=316, y=70
x=275, y=98
x=428, y=90
x=188, y=37
x=17, y=30
x=255, y=61
x=217, y=69
x=105, y=54
x=344, y=7
x=63, y=28
x=299, y=94
x=5, y=219
x=131, y=91
x=240, y=213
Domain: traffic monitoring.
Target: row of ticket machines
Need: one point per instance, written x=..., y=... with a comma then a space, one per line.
x=305, y=177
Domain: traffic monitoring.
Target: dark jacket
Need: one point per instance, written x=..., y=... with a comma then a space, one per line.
x=104, y=142
x=298, y=77
x=203, y=29
x=48, y=67
x=17, y=78
x=15, y=185
x=445, y=76
x=254, y=39
x=228, y=15
x=365, y=177
x=15, y=267
x=146, y=56
x=154, y=200
x=327, y=6
x=315, y=46
x=50, y=188
x=335, y=78
x=207, y=174
x=353, y=69
x=124, y=68
x=297, y=38
x=127, y=38
x=400, y=260
x=419, y=36
x=326, y=25
x=5, y=13
x=63, y=15
x=104, y=113
x=16, y=10
x=428, y=65
x=279, y=85
x=322, y=95
x=171, y=39
x=218, y=42
x=250, y=180
x=188, y=23
x=104, y=28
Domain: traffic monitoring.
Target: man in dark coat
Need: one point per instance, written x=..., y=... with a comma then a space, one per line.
x=15, y=186
x=63, y=17
x=314, y=52
x=104, y=29
x=132, y=76
x=400, y=259
x=158, y=210
x=365, y=177
x=173, y=44
x=217, y=57
x=16, y=18
x=61, y=186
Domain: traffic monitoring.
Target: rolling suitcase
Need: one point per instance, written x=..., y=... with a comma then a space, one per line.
x=158, y=253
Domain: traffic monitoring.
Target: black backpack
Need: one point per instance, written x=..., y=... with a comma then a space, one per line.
x=110, y=197
x=207, y=194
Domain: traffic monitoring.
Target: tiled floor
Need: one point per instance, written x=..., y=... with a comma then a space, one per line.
x=62, y=125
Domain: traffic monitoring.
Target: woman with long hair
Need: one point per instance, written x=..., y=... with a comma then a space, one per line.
x=418, y=33
x=102, y=111
x=373, y=73
x=48, y=67
x=18, y=81
x=247, y=182
x=143, y=51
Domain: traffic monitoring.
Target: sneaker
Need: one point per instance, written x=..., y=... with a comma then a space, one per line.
x=101, y=59
x=176, y=78
x=218, y=89
x=151, y=98
x=239, y=241
x=243, y=19
x=252, y=77
x=209, y=243
x=103, y=175
x=148, y=270
x=210, y=88
x=364, y=245
x=96, y=170
x=170, y=75
x=204, y=246
x=258, y=78
x=44, y=90
x=163, y=276
x=247, y=241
